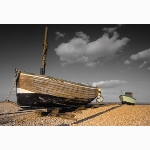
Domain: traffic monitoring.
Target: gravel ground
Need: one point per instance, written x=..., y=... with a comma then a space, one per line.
x=104, y=115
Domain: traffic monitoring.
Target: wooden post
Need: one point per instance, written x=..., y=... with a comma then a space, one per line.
x=44, y=53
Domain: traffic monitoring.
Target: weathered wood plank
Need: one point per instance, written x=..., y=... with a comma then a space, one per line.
x=55, y=92
x=60, y=88
x=54, y=87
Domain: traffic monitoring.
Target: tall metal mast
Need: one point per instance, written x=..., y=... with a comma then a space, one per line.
x=44, y=53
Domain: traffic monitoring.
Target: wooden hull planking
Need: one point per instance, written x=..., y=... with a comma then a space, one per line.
x=40, y=90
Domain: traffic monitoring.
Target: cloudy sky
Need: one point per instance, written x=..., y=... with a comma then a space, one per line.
x=114, y=57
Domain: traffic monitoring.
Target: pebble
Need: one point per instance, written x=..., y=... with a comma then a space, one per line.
x=105, y=115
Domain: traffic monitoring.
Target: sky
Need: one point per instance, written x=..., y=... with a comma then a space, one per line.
x=114, y=57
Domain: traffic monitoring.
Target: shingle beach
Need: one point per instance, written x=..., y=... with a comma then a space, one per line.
x=104, y=115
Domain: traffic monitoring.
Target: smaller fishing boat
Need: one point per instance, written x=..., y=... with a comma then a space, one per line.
x=127, y=98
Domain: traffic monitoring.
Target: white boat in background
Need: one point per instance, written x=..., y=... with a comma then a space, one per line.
x=127, y=98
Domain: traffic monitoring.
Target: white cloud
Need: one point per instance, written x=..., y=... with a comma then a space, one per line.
x=79, y=49
x=58, y=35
x=63, y=64
x=110, y=30
x=142, y=64
x=92, y=64
x=109, y=84
x=82, y=35
x=143, y=55
x=127, y=62
x=73, y=51
x=148, y=68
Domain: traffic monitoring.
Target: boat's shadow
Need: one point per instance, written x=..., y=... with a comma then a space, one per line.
x=95, y=115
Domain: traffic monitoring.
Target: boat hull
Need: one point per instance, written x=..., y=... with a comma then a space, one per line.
x=44, y=91
x=127, y=100
x=44, y=100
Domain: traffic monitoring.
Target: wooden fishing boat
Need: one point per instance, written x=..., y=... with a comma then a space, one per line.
x=41, y=90
x=127, y=98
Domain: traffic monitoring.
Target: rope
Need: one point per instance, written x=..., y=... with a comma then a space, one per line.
x=17, y=75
